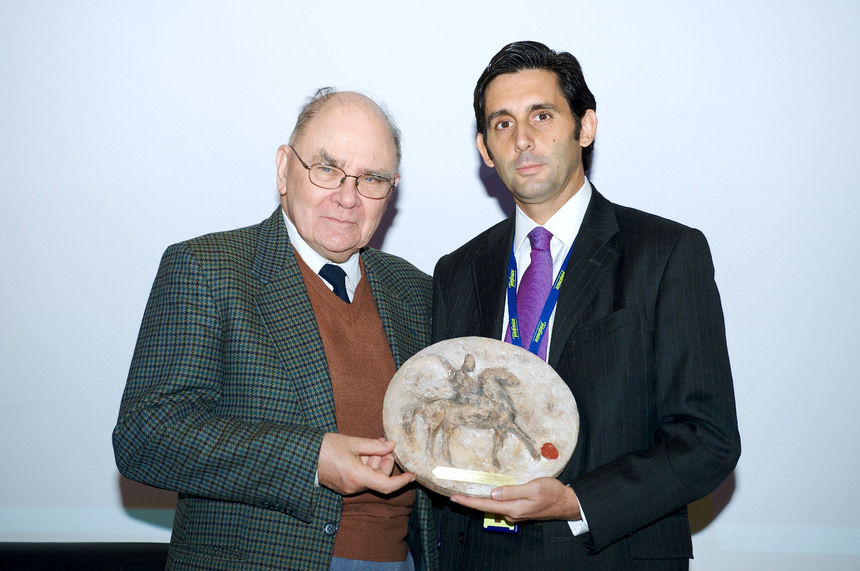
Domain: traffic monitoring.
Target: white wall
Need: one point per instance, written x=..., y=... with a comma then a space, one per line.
x=127, y=126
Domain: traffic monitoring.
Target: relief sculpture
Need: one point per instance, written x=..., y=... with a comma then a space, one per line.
x=481, y=406
x=477, y=401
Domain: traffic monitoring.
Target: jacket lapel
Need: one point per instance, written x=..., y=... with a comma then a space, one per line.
x=389, y=306
x=287, y=313
x=590, y=260
x=490, y=269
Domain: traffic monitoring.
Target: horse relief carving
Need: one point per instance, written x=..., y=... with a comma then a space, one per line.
x=477, y=401
x=482, y=406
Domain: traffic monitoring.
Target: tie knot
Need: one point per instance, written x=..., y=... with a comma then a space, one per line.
x=539, y=238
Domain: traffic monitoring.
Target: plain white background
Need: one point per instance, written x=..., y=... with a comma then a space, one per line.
x=127, y=126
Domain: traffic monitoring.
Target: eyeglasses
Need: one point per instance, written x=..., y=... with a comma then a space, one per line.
x=368, y=185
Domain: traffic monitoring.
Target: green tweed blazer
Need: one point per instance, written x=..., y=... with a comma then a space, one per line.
x=229, y=396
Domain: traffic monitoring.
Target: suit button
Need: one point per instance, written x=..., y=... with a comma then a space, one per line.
x=330, y=529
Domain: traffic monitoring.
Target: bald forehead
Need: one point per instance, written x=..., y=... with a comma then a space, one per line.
x=346, y=103
x=353, y=99
x=347, y=106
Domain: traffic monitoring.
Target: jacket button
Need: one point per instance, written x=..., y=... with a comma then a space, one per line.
x=330, y=529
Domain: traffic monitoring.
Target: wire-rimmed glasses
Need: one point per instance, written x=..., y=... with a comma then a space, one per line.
x=368, y=185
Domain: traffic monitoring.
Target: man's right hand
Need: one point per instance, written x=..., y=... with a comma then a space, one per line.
x=349, y=465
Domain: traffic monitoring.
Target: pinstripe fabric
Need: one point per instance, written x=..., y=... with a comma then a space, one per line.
x=639, y=338
x=228, y=397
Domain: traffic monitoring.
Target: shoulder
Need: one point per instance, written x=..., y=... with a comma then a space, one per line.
x=636, y=228
x=499, y=235
x=392, y=270
x=633, y=219
x=230, y=249
x=226, y=257
x=652, y=243
x=229, y=244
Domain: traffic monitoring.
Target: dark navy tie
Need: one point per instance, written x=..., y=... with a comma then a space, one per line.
x=337, y=278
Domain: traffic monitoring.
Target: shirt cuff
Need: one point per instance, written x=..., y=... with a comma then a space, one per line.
x=580, y=526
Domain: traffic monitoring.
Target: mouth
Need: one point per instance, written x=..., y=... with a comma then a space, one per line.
x=333, y=220
x=528, y=169
x=528, y=164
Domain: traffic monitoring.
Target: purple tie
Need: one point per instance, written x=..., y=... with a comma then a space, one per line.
x=534, y=288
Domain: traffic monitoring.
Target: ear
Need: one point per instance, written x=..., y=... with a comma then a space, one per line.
x=589, y=128
x=282, y=159
x=485, y=153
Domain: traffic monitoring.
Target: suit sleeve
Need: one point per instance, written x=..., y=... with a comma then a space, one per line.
x=172, y=432
x=695, y=438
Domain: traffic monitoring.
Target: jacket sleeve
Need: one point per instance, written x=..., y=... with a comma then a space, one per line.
x=174, y=430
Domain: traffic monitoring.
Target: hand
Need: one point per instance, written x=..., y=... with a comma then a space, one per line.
x=384, y=464
x=349, y=465
x=541, y=499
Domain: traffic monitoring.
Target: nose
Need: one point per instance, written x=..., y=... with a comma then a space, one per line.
x=347, y=193
x=523, y=138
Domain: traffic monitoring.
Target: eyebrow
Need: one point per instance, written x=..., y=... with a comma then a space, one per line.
x=535, y=107
x=327, y=159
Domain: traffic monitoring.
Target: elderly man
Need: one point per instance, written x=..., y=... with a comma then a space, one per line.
x=256, y=386
x=635, y=330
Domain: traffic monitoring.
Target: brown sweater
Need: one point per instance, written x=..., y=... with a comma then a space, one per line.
x=373, y=527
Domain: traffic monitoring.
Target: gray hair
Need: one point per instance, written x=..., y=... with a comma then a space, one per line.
x=321, y=99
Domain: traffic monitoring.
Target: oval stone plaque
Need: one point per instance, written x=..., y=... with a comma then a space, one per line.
x=471, y=414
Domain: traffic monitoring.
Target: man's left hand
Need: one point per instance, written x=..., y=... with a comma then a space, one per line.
x=541, y=499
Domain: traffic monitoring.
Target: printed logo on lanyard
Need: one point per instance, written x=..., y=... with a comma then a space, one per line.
x=549, y=306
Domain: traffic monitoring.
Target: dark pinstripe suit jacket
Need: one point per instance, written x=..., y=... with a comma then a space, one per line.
x=228, y=398
x=639, y=338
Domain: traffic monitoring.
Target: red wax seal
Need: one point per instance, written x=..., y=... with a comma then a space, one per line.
x=549, y=451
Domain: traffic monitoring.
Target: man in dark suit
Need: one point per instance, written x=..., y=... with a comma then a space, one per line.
x=256, y=386
x=637, y=334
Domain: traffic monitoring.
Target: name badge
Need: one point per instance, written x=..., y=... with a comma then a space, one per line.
x=498, y=524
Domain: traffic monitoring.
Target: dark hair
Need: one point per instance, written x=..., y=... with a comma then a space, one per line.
x=519, y=56
x=321, y=99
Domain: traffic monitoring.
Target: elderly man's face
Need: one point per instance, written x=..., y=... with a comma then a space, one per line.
x=352, y=134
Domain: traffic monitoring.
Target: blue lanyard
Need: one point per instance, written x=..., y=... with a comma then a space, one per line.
x=548, y=307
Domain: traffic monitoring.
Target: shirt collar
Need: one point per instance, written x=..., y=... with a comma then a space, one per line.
x=564, y=224
x=316, y=262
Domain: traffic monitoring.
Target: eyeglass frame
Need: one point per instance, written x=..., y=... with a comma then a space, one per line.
x=343, y=180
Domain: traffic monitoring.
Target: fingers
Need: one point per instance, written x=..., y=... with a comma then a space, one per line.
x=384, y=464
x=388, y=484
x=481, y=504
x=511, y=493
x=540, y=499
x=349, y=465
x=369, y=446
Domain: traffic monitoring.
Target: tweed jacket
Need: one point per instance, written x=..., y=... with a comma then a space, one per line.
x=639, y=338
x=228, y=398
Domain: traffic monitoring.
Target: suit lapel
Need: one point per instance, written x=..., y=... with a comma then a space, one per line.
x=287, y=313
x=591, y=259
x=388, y=305
x=490, y=268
